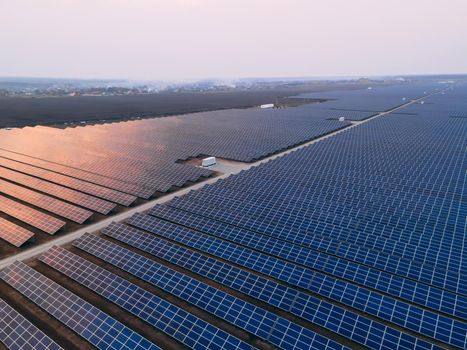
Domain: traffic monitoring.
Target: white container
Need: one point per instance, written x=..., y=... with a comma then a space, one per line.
x=341, y=119
x=208, y=161
x=268, y=105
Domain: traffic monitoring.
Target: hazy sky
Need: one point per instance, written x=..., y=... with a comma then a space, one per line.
x=191, y=39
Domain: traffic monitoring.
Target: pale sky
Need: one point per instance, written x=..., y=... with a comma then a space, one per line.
x=195, y=39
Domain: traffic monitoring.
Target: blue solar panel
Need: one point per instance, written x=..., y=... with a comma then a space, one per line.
x=375, y=99
x=409, y=290
x=303, y=223
x=17, y=333
x=149, y=162
x=183, y=326
x=321, y=238
x=234, y=310
x=366, y=300
x=357, y=210
x=354, y=326
x=89, y=322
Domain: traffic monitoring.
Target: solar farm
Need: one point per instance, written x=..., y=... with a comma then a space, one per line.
x=347, y=230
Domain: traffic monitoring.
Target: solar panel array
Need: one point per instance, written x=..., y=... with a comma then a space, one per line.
x=13, y=233
x=30, y=216
x=377, y=223
x=72, y=196
x=17, y=333
x=50, y=204
x=98, y=328
x=361, y=104
x=356, y=241
x=192, y=331
x=69, y=182
x=300, y=304
x=276, y=330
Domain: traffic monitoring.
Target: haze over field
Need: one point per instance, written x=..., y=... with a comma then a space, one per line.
x=195, y=39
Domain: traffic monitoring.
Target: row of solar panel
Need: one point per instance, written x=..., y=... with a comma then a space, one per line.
x=140, y=167
x=352, y=325
x=375, y=224
x=92, y=276
x=81, y=188
x=66, y=197
x=49, y=197
x=162, y=276
x=259, y=288
x=113, y=158
x=373, y=99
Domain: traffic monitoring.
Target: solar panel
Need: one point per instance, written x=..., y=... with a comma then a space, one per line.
x=356, y=327
x=30, y=216
x=355, y=211
x=434, y=298
x=17, y=333
x=98, y=328
x=183, y=326
x=13, y=233
x=79, y=174
x=67, y=194
x=376, y=99
x=277, y=215
x=236, y=311
x=361, y=298
x=349, y=250
x=76, y=184
x=50, y=204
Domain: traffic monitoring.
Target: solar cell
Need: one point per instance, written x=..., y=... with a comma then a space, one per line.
x=17, y=333
x=13, y=233
x=30, y=216
x=50, y=204
x=355, y=327
x=98, y=328
x=61, y=192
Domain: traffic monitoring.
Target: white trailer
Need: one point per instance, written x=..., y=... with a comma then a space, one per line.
x=208, y=161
